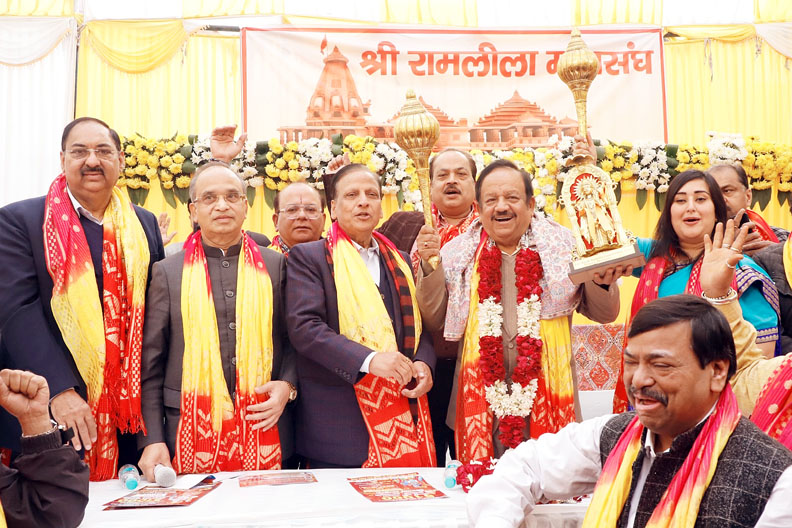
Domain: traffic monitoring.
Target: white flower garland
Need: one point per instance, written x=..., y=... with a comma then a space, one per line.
x=651, y=168
x=726, y=148
x=515, y=400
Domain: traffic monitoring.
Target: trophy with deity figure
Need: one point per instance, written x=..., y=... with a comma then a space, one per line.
x=416, y=132
x=601, y=242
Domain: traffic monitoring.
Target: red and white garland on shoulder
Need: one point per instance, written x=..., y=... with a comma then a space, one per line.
x=511, y=405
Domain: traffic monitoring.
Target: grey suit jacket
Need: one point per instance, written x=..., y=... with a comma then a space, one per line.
x=163, y=341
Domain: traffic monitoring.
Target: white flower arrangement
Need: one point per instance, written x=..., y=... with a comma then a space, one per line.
x=650, y=166
x=490, y=316
x=726, y=148
x=315, y=154
x=515, y=402
x=391, y=161
x=528, y=314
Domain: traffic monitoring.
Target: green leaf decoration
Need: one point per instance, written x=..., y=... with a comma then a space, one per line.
x=640, y=197
x=597, y=142
x=191, y=138
x=170, y=199
x=183, y=195
x=617, y=192
x=186, y=151
x=600, y=153
x=660, y=200
x=188, y=167
x=250, y=192
x=337, y=150
x=763, y=197
x=671, y=150
x=134, y=195
x=261, y=160
x=400, y=197
x=337, y=139
x=262, y=147
x=269, y=197
x=783, y=196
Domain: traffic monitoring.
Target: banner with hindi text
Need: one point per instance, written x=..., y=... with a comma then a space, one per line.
x=490, y=89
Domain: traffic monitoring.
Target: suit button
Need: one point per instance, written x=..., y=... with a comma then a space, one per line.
x=232, y=326
x=511, y=346
x=233, y=360
x=226, y=264
x=229, y=293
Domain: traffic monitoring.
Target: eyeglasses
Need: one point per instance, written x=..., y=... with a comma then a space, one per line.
x=210, y=199
x=292, y=212
x=105, y=153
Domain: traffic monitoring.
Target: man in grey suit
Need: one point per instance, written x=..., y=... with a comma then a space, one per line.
x=219, y=208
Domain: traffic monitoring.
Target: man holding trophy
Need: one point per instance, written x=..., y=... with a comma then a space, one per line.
x=506, y=289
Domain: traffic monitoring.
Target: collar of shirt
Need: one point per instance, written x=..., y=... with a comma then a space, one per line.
x=82, y=210
x=370, y=256
x=649, y=449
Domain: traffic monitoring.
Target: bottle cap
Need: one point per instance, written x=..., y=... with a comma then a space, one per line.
x=450, y=482
x=131, y=484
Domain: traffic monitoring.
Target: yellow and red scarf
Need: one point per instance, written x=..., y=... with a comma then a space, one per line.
x=213, y=434
x=446, y=230
x=773, y=411
x=680, y=503
x=762, y=227
x=395, y=438
x=102, y=332
x=553, y=405
x=646, y=292
x=278, y=245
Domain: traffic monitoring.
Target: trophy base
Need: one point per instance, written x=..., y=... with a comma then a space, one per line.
x=583, y=269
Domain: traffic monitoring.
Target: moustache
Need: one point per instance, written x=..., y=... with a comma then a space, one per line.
x=85, y=170
x=452, y=187
x=648, y=393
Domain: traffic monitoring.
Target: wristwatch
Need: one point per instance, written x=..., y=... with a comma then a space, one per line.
x=292, y=391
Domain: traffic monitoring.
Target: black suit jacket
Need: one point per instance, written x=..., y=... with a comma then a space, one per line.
x=163, y=343
x=29, y=336
x=329, y=424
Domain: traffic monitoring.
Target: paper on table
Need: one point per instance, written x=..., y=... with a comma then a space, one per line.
x=187, y=481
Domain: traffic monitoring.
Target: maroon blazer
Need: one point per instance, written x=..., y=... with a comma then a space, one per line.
x=329, y=425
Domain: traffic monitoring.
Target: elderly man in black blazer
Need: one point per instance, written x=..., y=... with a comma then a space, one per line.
x=331, y=430
x=32, y=339
x=219, y=208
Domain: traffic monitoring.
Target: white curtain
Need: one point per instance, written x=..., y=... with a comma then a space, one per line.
x=37, y=66
x=778, y=35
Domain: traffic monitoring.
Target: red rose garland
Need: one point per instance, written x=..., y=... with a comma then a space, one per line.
x=528, y=270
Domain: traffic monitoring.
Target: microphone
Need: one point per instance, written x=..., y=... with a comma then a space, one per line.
x=164, y=476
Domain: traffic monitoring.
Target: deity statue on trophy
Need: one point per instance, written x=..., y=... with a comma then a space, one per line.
x=601, y=241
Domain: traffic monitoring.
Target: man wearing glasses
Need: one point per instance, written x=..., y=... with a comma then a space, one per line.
x=217, y=369
x=299, y=216
x=299, y=208
x=74, y=268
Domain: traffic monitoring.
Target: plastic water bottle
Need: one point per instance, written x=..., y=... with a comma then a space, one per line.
x=450, y=474
x=129, y=476
x=164, y=476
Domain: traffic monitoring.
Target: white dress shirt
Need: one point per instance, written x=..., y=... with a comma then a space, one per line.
x=82, y=210
x=371, y=258
x=566, y=464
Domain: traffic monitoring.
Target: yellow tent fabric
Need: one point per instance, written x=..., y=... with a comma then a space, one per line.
x=437, y=12
x=134, y=47
x=589, y=12
x=772, y=11
x=722, y=33
x=727, y=87
x=53, y=8
x=217, y=8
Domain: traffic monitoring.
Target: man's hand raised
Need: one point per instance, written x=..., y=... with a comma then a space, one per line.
x=223, y=145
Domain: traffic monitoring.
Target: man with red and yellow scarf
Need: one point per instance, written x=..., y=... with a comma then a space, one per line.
x=354, y=321
x=685, y=457
x=74, y=266
x=217, y=369
x=503, y=293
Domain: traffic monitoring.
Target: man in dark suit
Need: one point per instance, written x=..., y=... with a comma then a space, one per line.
x=219, y=208
x=32, y=337
x=331, y=425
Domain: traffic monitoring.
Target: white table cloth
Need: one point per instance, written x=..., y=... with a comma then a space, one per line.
x=329, y=502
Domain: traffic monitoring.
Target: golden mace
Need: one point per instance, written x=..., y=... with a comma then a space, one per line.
x=416, y=132
x=578, y=67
